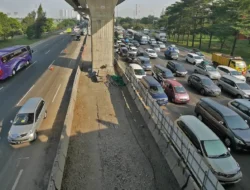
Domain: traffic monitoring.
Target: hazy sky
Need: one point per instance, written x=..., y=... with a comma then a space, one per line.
x=52, y=7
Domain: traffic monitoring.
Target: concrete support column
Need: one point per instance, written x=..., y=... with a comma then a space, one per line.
x=102, y=31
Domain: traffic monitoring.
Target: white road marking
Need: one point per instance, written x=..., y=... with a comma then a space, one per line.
x=52, y=63
x=1, y=88
x=31, y=65
x=25, y=95
x=17, y=179
x=56, y=93
x=47, y=52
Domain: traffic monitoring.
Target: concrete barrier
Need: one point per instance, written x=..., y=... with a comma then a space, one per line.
x=59, y=162
x=177, y=166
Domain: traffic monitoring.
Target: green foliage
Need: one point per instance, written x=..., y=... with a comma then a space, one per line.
x=28, y=21
x=67, y=23
x=30, y=31
x=49, y=25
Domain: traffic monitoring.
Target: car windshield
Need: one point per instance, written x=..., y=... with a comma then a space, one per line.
x=146, y=62
x=169, y=74
x=211, y=69
x=180, y=68
x=156, y=46
x=174, y=53
x=236, y=122
x=199, y=53
x=151, y=51
x=207, y=82
x=160, y=43
x=197, y=57
x=180, y=89
x=139, y=72
x=241, y=64
x=156, y=90
x=214, y=149
x=24, y=119
x=243, y=86
x=235, y=73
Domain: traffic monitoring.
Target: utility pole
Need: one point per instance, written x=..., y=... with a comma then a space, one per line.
x=136, y=14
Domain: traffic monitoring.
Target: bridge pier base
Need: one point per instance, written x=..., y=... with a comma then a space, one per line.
x=102, y=31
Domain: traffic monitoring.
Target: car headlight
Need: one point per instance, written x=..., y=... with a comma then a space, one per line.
x=30, y=132
x=238, y=141
x=246, y=95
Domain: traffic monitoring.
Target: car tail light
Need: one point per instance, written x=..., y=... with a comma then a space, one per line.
x=1, y=72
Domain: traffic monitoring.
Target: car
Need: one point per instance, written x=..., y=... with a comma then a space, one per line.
x=198, y=52
x=152, y=41
x=144, y=62
x=142, y=54
x=225, y=70
x=174, y=48
x=161, y=44
x=204, y=85
x=248, y=75
x=177, y=68
x=156, y=47
x=170, y=53
x=151, y=53
x=155, y=90
x=225, y=123
x=123, y=51
x=207, y=70
x=133, y=49
x=242, y=107
x=129, y=45
x=211, y=149
x=27, y=121
x=175, y=91
x=121, y=45
x=234, y=86
x=137, y=70
x=193, y=58
x=136, y=43
x=161, y=73
x=131, y=58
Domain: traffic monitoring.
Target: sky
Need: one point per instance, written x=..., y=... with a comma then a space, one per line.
x=52, y=7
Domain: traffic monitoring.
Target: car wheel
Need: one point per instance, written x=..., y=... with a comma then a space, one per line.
x=173, y=100
x=202, y=91
x=189, y=82
x=194, y=63
x=195, y=71
x=220, y=86
x=200, y=117
x=45, y=115
x=27, y=63
x=13, y=72
x=227, y=142
x=187, y=60
x=239, y=96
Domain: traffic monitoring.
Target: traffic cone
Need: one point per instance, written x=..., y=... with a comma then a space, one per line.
x=51, y=68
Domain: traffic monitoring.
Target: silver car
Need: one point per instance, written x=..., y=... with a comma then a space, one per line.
x=242, y=107
x=27, y=121
x=207, y=70
x=234, y=86
x=211, y=149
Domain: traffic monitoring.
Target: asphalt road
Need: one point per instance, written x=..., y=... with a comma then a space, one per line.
x=27, y=166
x=175, y=110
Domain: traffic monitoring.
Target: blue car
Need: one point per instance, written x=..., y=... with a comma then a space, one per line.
x=155, y=89
x=171, y=53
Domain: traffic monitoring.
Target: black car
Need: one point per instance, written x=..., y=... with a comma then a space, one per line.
x=177, y=68
x=204, y=85
x=161, y=73
x=144, y=62
x=131, y=58
x=135, y=43
x=78, y=38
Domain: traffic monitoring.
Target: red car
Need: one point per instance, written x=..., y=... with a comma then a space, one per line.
x=175, y=91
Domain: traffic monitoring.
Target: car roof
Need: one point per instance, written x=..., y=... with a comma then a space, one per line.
x=151, y=80
x=201, y=131
x=149, y=49
x=193, y=54
x=8, y=50
x=175, y=62
x=173, y=82
x=132, y=47
x=200, y=76
x=226, y=67
x=135, y=66
x=232, y=78
x=30, y=105
x=245, y=102
x=225, y=111
x=162, y=68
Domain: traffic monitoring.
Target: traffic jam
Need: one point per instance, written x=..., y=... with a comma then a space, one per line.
x=207, y=97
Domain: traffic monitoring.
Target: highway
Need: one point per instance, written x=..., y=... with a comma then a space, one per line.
x=27, y=166
x=175, y=110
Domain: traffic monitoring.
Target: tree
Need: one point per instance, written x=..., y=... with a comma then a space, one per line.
x=40, y=24
x=49, y=24
x=15, y=27
x=28, y=21
x=4, y=25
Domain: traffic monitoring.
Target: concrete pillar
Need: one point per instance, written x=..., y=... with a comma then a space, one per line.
x=102, y=31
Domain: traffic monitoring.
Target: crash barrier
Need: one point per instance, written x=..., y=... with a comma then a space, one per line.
x=173, y=136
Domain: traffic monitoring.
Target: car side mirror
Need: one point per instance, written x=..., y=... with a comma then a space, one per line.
x=246, y=121
x=236, y=87
x=11, y=121
x=221, y=122
x=229, y=149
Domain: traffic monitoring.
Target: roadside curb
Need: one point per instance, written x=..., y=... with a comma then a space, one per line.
x=56, y=175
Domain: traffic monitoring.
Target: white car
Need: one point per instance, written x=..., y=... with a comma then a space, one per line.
x=162, y=45
x=133, y=49
x=193, y=58
x=151, y=53
x=137, y=70
x=225, y=70
x=156, y=47
x=207, y=70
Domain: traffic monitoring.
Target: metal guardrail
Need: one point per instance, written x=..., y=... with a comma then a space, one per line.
x=201, y=172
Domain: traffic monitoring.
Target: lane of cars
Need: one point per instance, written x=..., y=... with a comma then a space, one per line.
x=232, y=129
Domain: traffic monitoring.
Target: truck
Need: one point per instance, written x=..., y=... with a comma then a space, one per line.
x=235, y=62
x=161, y=36
x=141, y=38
